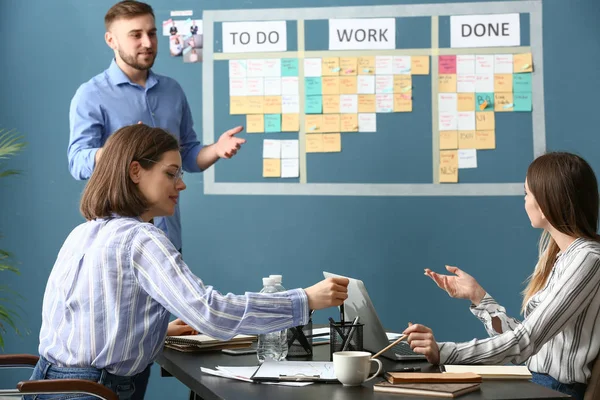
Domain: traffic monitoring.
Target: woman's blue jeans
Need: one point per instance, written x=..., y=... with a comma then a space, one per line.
x=576, y=390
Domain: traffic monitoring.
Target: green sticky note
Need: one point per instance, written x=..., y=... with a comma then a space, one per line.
x=522, y=101
x=272, y=122
x=314, y=104
x=312, y=86
x=289, y=67
x=481, y=98
x=522, y=83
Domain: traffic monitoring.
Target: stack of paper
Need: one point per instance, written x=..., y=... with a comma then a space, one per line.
x=245, y=374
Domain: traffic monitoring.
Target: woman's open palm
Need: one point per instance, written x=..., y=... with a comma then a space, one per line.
x=460, y=285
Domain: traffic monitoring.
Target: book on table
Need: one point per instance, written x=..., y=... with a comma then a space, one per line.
x=427, y=389
x=432, y=377
x=492, y=371
x=205, y=342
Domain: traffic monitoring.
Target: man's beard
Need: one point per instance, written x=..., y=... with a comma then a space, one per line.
x=132, y=61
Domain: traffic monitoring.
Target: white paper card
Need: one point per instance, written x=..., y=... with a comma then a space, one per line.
x=467, y=158
x=237, y=68
x=484, y=83
x=312, y=67
x=255, y=86
x=465, y=83
x=401, y=65
x=448, y=121
x=348, y=103
x=290, y=168
x=466, y=121
x=254, y=37
x=465, y=64
x=503, y=64
x=490, y=30
x=366, y=84
x=289, y=149
x=271, y=148
x=354, y=34
x=289, y=85
x=384, y=84
x=290, y=104
x=237, y=87
x=384, y=103
x=484, y=64
x=447, y=102
x=272, y=86
x=367, y=122
x=255, y=68
x=272, y=67
x=383, y=65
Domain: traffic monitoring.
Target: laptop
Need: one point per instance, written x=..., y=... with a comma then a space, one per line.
x=374, y=336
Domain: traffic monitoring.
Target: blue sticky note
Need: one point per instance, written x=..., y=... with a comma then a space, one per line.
x=272, y=122
x=312, y=86
x=314, y=104
x=522, y=102
x=480, y=98
x=522, y=83
x=289, y=67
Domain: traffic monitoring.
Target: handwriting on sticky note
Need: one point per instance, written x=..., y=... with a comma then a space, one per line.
x=331, y=104
x=466, y=140
x=290, y=123
x=331, y=85
x=331, y=123
x=348, y=65
x=466, y=101
x=503, y=102
x=348, y=85
x=366, y=65
x=271, y=168
x=522, y=63
x=332, y=143
x=448, y=140
x=331, y=66
x=402, y=102
x=447, y=83
x=255, y=123
x=419, y=65
x=272, y=105
x=313, y=123
x=314, y=143
x=485, y=121
x=447, y=65
x=448, y=166
x=272, y=122
x=349, y=122
x=485, y=140
x=313, y=104
x=238, y=105
x=366, y=103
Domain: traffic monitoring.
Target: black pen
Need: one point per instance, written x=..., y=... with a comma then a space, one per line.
x=342, y=314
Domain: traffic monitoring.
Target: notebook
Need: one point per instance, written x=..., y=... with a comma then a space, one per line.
x=427, y=389
x=200, y=340
x=295, y=371
x=434, y=377
x=493, y=371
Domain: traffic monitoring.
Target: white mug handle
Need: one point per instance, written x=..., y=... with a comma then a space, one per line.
x=379, y=367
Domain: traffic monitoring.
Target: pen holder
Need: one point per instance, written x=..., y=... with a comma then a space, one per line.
x=300, y=340
x=346, y=337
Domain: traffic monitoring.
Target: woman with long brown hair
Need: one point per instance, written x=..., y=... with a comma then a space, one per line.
x=559, y=337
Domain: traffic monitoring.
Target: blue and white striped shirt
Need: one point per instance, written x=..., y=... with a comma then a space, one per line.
x=114, y=284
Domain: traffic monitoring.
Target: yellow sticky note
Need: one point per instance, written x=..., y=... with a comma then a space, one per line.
x=313, y=123
x=419, y=65
x=272, y=105
x=448, y=140
x=503, y=102
x=290, y=123
x=403, y=84
x=348, y=65
x=348, y=85
x=466, y=140
x=522, y=63
x=255, y=123
x=447, y=83
x=485, y=140
x=449, y=166
x=366, y=65
x=331, y=123
x=331, y=104
x=402, y=102
x=238, y=105
x=271, y=168
x=465, y=101
x=314, y=143
x=255, y=105
x=349, y=123
x=503, y=82
x=332, y=142
x=366, y=103
x=330, y=85
x=485, y=121
x=330, y=66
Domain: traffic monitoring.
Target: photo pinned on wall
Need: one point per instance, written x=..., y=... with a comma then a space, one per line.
x=185, y=39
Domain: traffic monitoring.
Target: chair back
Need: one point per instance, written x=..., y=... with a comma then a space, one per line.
x=593, y=389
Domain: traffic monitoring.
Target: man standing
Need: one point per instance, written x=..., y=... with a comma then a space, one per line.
x=129, y=92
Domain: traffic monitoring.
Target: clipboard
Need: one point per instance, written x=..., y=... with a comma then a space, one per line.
x=295, y=371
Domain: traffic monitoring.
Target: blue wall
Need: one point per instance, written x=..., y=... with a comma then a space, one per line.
x=49, y=48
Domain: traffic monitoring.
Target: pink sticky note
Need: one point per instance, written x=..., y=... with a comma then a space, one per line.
x=447, y=64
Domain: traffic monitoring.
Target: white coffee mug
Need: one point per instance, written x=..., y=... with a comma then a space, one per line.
x=352, y=367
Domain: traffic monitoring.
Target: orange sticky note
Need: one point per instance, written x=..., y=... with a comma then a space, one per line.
x=366, y=65
x=448, y=166
x=447, y=83
x=330, y=85
x=313, y=123
x=419, y=65
x=466, y=140
x=238, y=105
x=403, y=84
x=522, y=63
x=255, y=123
x=348, y=85
x=503, y=102
x=331, y=104
x=366, y=103
x=503, y=82
x=290, y=123
x=349, y=122
x=332, y=142
x=485, y=140
x=465, y=101
x=255, y=105
x=402, y=102
x=314, y=143
x=448, y=140
x=331, y=123
x=330, y=66
x=272, y=105
x=348, y=65
x=485, y=121
x=271, y=168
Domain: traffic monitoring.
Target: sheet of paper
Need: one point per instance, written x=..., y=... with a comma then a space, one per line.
x=522, y=63
x=521, y=83
x=447, y=83
x=485, y=121
x=312, y=67
x=320, y=331
x=323, y=369
x=447, y=102
x=384, y=84
x=272, y=105
x=272, y=123
x=503, y=102
x=271, y=168
x=255, y=105
x=384, y=65
x=484, y=82
x=419, y=65
x=330, y=85
x=384, y=103
x=289, y=85
x=348, y=103
x=226, y=374
x=349, y=123
x=484, y=101
x=330, y=66
x=255, y=68
x=522, y=102
x=503, y=82
x=272, y=86
x=465, y=83
x=242, y=372
x=448, y=121
x=254, y=36
x=447, y=65
x=238, y=105
x=237, y=87
x=366, y=65
x=448, y=140
x=348, y=65
x=272, y=67
x=255, y=86
x=484, y=64
x=465, y=64
x=402, y=102
x=485, y=140
x=366, y=84
x=503, y=64
x=313, y=123
x=367, y=122
x=237, y=69
x=289, y=67
x=331, y=104
x=290, y=168
x=255, y=123
x=466, y=140
x=466, y=120
x=403, y=84
x=289, y=149
x=314, y=144
x=466, y=101
x=448, y=166
x=348, y=85
x=290, y=123
x=332, y=142
x=271, y=148
x=401, y=65
x=467, y=158
x=366, y=103
x=313, y=104
x=290, y=104
x=312, y=86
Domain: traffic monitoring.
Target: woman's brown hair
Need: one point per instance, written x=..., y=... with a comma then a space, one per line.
x=566, y=190
x=110, y=190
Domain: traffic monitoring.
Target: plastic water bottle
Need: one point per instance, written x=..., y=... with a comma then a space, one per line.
x=271, y=346
x=277, y=279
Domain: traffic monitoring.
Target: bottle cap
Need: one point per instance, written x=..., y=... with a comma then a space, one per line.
x=268, y=282
x=276, y=278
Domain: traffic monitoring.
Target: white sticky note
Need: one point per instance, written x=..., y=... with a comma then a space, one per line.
x=401, y=65
x=484, y=83
x=466, y=121
x=384, y=103
x=271, y=148
x=289, y=85
x=366, y=84
x=448, y=121
x=383, y=65
x=465, y=64
x=348, y=103
x=467, y=158
x=237, y=69
x=255, y=86
x=272, y=67
x=484, y=64
x=503, y=64
x=384, y=84
x=290, y=168
x=289, y=149
x=237, y=87
x=312, y=67
x=465, y=83
x=272, y=86
x=447, y=102
x=290, y=104
x=255, y=68
x=367, y=122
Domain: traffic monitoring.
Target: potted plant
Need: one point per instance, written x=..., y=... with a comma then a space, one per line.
x=10, y=144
